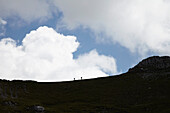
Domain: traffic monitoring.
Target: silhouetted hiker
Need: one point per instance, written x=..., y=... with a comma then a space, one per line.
x=74, y=78
x=81, y=78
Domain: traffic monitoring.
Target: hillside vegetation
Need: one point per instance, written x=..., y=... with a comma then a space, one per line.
x=132, y=92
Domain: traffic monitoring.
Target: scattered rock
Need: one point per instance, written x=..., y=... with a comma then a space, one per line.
x=37, y=108
x=9, y=103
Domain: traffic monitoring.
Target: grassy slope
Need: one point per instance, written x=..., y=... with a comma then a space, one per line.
x=127, y=93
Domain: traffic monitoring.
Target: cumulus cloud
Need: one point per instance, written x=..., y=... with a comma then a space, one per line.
x=27, y=10
x=141, y=26
x=46, y=55
x=2, y=26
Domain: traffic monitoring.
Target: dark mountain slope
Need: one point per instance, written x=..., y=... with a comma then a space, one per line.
x=133, y=92
x=153, y=64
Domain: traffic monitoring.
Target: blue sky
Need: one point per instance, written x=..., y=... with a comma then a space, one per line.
x=114, y=35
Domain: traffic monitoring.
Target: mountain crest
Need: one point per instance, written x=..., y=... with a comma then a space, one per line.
x=153, y=64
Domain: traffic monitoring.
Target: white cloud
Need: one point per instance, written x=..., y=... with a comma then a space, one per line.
x=2, y=22
x=141, y=26
x=2, y=26
x=27, y=10
x=46, y=55
x=105, y=63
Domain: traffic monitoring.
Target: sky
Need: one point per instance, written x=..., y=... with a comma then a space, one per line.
x=59, y=40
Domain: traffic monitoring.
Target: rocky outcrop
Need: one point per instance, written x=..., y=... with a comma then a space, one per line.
x=11, y=90
x=153, y=64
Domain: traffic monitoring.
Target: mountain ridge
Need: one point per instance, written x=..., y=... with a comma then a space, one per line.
x=131, y=92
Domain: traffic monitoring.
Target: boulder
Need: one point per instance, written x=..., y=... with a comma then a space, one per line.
x=39, y=108
x=36, y=108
